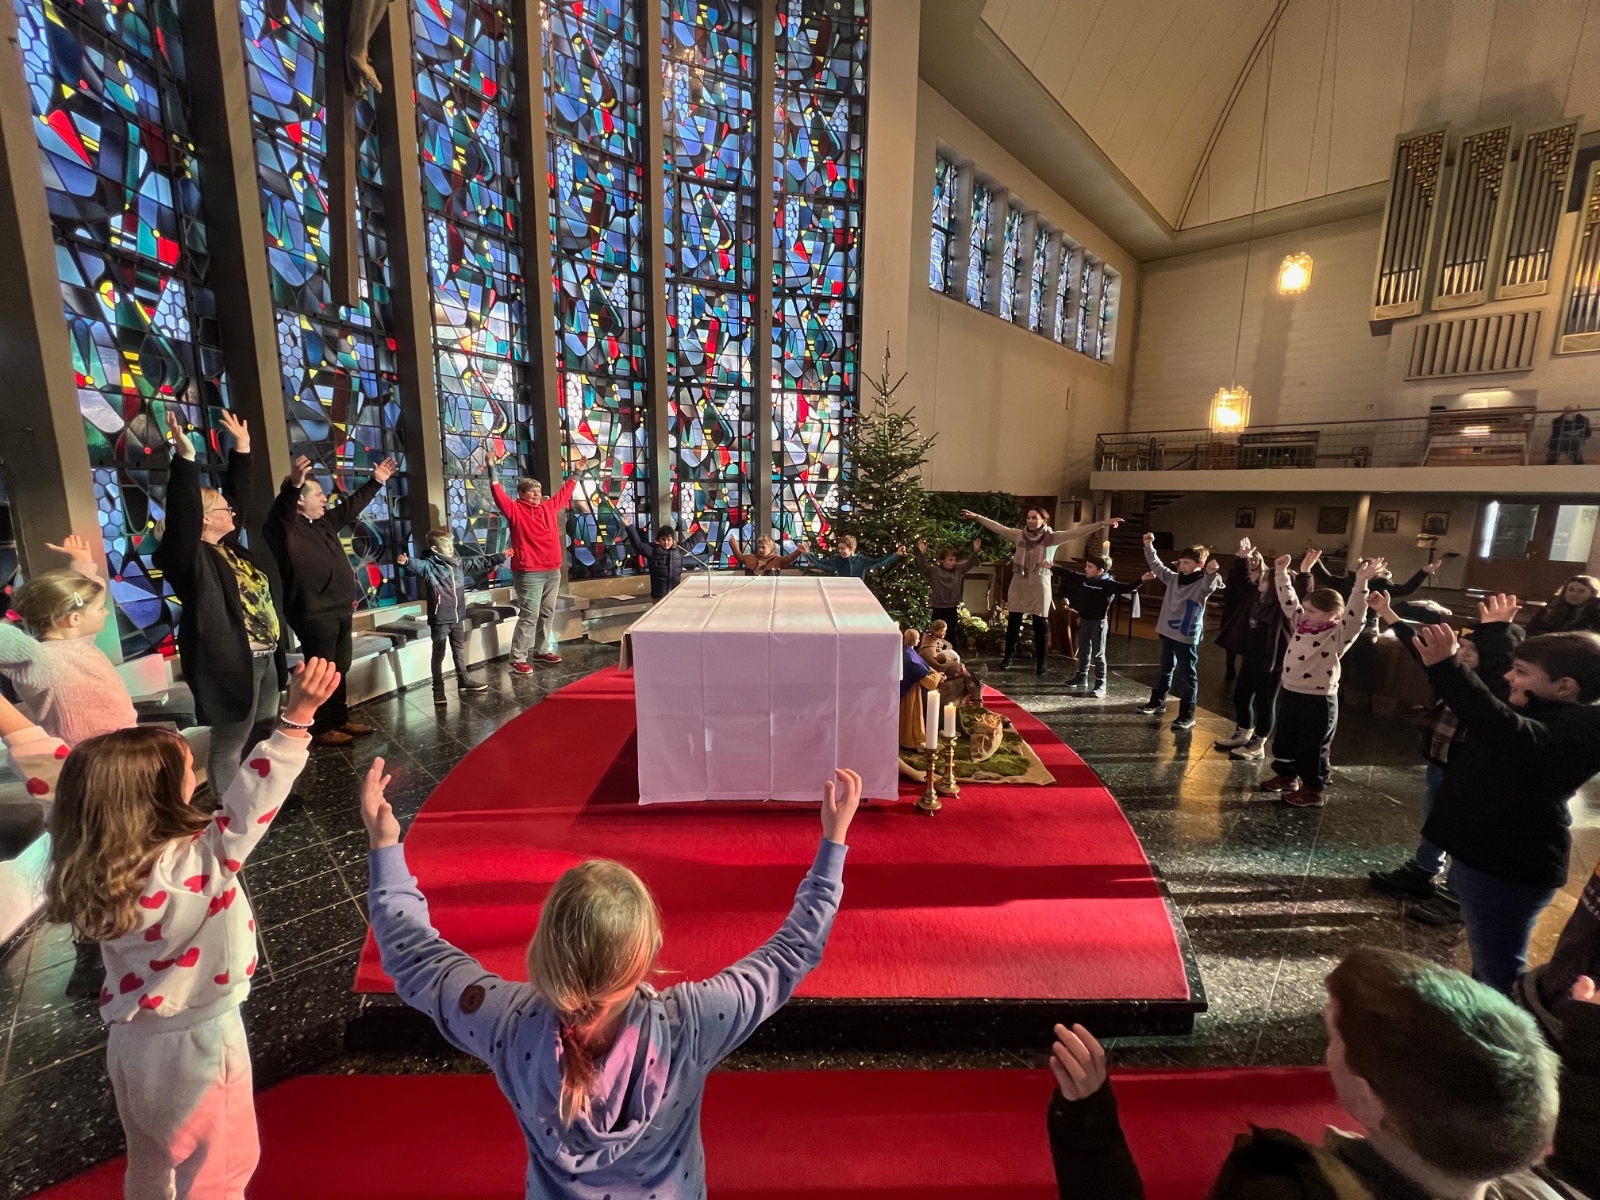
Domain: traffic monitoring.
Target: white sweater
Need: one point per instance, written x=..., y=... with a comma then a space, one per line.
x=1311, y=661
x=195, y=945
x=68, y=687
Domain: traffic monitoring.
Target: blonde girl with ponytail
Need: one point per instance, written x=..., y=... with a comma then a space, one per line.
x=604, y=1072
x=65, y=683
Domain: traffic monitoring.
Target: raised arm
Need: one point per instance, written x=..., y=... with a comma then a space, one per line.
x=236, y=485
x=474, y=564
x=1401, y=590
x=921, y=561
x=1490, y=718
x=1005, y=531
x=346, y=509
x=180, y=540
x=1157, y=568
x=1087, y=1146
x=635, y=539
x=1078, y=531
x=1287, y=600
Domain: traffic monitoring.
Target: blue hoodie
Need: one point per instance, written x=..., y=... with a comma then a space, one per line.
x=642, y=1135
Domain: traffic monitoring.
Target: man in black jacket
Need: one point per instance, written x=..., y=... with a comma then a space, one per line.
x=1501, y=810
x=662, y=557
x=1453, y=1084
x=320, y=589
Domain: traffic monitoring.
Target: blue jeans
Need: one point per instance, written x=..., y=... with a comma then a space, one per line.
x=1092, y=651
x=1181, y=659
x=1428, y=856
x=536, y=612
x=1499, y=916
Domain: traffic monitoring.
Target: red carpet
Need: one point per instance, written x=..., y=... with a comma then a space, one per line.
x=1012, y=892
x=824, y=1135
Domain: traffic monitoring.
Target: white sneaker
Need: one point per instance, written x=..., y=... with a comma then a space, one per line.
x=1255, y=748
x=1238, y=737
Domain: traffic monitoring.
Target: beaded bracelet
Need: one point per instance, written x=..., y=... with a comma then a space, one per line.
x=288, y=724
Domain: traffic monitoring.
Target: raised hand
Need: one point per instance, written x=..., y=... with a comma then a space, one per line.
x=180, y=440
x=1281, y=563
x=1584, y=991
x=383, y=470
x=922, y=545
x=310, y=686
x=841, y=796
x=376, y=814
x=1434, y=644
x=299, y=470
x=1212, y=566
x=1379, y=603
x=401, y=560
x=1149, y=539
x=1499, y=607
x=1310, y=559
x=238, y=430
x=1078, y=1062
x=899, y=548
x=1147, y=577
x=1115, y=521
x=977, y=543
x=1370, y=568
x=969, y=514
x=74, y=547
x=803, y=545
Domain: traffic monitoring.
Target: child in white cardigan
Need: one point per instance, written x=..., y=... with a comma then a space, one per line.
x=156, y=883
x=65, y=682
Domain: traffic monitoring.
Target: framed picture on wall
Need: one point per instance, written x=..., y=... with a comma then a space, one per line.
x=1386, y=520
x=1436, y=523
x=1244, y=518
x=1283, y=518
x=1332, y=520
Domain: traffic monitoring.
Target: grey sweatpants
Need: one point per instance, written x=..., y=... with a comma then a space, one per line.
x=536, y=613
x=183, y=1093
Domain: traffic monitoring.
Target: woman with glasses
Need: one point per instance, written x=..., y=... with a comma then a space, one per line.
x=230, y=637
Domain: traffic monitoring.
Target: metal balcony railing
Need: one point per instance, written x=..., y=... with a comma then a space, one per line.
x=1459, y=437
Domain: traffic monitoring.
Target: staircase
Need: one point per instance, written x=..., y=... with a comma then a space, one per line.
x=1136, y=510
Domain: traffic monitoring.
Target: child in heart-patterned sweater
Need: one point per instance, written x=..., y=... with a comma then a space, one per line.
x=156, y=883
x=1307, y=710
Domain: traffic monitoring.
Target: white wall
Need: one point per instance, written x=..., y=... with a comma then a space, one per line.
x=1012, y=410
x=1208, y=518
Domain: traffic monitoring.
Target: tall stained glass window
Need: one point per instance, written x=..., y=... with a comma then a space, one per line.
x=1084, y=323
x=109, y=100
x=1038, y=278
x=594, y=106
x=1107, y=313
x=1061, y=316
x=978, y=246
x=1011, y=264
x=820, y=145
x=945, y=183
x=341, y=391
x=468, y=136
x=710, y=62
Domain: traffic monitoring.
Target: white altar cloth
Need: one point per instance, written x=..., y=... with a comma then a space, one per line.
x=758, y=692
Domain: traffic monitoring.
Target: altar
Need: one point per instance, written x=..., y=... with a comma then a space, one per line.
x=759, y=689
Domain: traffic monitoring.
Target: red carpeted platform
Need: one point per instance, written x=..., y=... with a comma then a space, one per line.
x=1012, y=892
x=788, y=1135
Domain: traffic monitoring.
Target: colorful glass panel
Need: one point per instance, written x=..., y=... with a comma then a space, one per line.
x=978, y=246
x=1107, y=315
x=1038, y=279
x=1010, y=264
x=1061, y=314
x=710, y=67
x=945, y=182
x=468, y=138
x=820, y=145
x=1083, y=325
x=594, y=107
x=108, y=95
x=341, y=390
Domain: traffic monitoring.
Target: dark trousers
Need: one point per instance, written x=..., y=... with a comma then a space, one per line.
x=1499, y=916
x=1180, y=659
x=1572, y=447
x=953, y=634
x=1041, y=636
x=1303, y=733
x=1359, y=671
x=329, y=638
x=456, y=636
x=1254, y=694
x=1092, y=651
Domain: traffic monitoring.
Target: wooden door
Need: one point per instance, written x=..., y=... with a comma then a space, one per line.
x=1531, y=545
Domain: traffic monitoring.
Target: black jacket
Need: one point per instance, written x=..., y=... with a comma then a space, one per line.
x=1092, y=1159
x=1502, y=806
x=1260, y=629
x=1092, y=597
x=213, y=647
x=317, y=579
x=1346, y=583
x=666, y=566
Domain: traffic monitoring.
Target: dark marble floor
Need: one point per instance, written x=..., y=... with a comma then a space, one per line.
x=1271, y=896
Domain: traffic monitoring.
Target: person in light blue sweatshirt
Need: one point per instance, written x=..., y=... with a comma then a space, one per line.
x=1181, y=624
x=605, y=1073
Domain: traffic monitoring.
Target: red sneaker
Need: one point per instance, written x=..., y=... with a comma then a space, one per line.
x=1305, y=798
x=1280, y=783
x=550, y=657
x=522, y=668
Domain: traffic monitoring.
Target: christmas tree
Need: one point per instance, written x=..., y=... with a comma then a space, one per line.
x=881, y=498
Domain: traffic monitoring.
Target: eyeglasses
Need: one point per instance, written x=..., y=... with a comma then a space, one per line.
x=222, y=508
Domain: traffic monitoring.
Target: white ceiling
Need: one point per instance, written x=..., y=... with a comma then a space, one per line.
x=1169, y=92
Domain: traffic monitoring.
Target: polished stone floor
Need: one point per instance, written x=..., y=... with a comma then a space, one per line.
x=1271, y=897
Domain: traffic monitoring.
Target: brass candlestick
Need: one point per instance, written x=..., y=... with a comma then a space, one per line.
x=930, y=804
x=948, y=785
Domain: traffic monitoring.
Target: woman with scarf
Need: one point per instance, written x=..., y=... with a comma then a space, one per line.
x=1029, y=593
x=1576, y=606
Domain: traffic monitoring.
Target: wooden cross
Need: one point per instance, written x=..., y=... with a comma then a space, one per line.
x=351, y=25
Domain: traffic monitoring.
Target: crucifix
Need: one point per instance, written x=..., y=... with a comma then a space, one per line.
x=352, y=26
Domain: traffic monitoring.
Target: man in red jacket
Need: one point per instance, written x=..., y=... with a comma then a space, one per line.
x=535, y=564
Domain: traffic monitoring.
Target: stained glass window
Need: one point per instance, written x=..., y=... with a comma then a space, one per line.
x=978, y=246
x=594, y=106
x=1010, y=263
x=341, y=391
x=1061, y=316
x=945, y=183
x=108, y=94
x=1107, y=314
x=468, y=136
x=1038, y=278
x=820, y=145
x=710, y=63
x=1085, y=321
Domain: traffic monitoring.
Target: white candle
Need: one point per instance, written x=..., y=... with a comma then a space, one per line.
x=931, y=719
x=949, y=720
